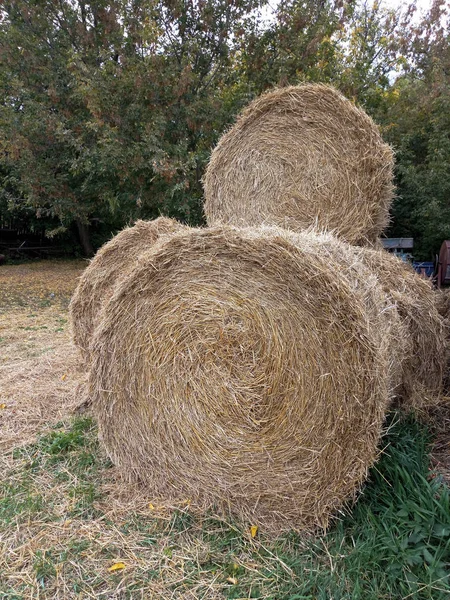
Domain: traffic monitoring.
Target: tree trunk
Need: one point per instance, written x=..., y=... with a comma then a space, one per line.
x=83, y=233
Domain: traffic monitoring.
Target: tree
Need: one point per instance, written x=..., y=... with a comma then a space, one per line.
x=419, y=129
x=369, y=51
x=300, y=44
x=41, y=110
x=111, y=109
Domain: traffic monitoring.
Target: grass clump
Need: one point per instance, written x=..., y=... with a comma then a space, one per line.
x=397, y=539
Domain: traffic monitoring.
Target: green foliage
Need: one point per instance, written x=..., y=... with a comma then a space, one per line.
x=71, y=456
x=109, y=111
x=420, y=130
x=298, y=45
x=60, y=443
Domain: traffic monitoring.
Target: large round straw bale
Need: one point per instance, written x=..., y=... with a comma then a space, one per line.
x=239, y=370
x=424, y=346
x=111, y=263
x=302, y=156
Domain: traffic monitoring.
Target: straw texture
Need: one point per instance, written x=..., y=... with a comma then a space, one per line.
x=111, y=263
x=298, y=157
x=443, y=305
x=423, y=341
x=238, y=369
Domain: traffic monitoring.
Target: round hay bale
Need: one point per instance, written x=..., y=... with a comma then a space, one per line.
x=111, y=263
x=302, y=156
x=443, y=302
x=424, y=345
x=239, y=370
x=443, y=306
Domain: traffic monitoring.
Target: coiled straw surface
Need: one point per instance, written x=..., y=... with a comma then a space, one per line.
x=239, y=370
x=111, y=263
x=298, y=157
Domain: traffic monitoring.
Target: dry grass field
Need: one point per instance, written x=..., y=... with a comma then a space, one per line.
x=39, y=368
x=70, y=528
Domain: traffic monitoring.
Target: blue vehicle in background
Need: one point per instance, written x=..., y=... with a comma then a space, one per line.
x=439, y=270
x=424, y=268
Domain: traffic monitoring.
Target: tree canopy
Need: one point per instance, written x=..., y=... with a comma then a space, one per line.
x=109, y=110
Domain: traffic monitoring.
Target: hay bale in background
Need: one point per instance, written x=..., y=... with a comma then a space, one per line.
x=302, y=156
x=424, y=350
x=443, y=302
x=241, y=371
x=443, y=306
x=111, y=263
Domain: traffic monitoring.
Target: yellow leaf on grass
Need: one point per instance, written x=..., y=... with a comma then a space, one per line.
x=2, y=406
x=116, y=567
x=151, y=506
x=253, y=530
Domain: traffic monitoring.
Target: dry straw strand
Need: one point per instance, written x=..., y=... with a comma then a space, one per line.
x=302, y=156
x=111, y=263
x=241, y=370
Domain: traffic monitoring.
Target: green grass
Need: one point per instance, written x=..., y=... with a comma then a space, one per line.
x=65, y=456
x=393, y=544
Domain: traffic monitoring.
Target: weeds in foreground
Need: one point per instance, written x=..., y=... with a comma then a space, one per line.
x=64, y=535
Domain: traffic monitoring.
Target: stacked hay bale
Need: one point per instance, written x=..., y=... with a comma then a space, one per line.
x=443, y=305
x=423, y=360
x=110, y=265
x=250, y=367
x=305, y=156
x=243, y=370
x=302, y=156
x=417, y=347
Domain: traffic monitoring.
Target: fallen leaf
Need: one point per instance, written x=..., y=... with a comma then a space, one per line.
x=151, y=506
x=253, y=530
x=116, y=567
x=2, y=406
